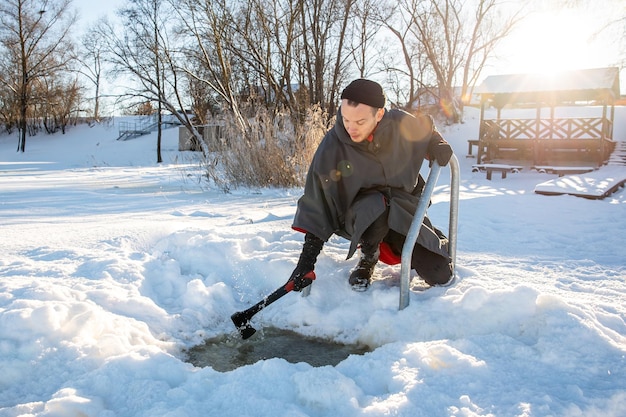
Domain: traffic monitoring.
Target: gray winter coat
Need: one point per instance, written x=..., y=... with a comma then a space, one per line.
x=349, y=185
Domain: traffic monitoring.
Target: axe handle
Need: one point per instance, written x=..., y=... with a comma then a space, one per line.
x=277, y=294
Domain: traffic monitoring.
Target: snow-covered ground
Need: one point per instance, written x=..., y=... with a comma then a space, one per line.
x=113, y=265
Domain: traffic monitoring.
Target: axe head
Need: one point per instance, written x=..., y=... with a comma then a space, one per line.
x=242, y=323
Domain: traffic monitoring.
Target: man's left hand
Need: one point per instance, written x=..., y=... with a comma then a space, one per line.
x=440, y=151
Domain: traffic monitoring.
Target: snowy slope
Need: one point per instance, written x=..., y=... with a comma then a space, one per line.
x=113, y=265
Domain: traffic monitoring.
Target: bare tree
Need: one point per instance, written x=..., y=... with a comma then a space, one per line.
x=324, y=31
x=354, y=25
x=369, y=17
x=91, y=60
x=210, y=59
x=9, y=103
x=405, y=71
x=489, y=28
x=455, y=40
x=36, y=41
x=142, y=51
x=246, y=51
x=614, y=29
x=56, y=100
x=139, y=53
x=287, y=54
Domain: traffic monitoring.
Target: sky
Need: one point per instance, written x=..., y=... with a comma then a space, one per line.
x=89, y=11
x=114, y=266
x=556, y=38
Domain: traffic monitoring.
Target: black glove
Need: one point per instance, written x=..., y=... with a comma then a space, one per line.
x=303, y=275
x=439, y=150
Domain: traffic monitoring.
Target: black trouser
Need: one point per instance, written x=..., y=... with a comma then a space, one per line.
x=431, y=267
x=374, y=234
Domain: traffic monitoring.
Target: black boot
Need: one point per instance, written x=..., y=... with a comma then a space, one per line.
x=361, y=276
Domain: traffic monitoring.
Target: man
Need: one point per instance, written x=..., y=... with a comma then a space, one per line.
x=364, y=185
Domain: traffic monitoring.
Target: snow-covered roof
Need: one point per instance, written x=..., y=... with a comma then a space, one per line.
x=580, y=84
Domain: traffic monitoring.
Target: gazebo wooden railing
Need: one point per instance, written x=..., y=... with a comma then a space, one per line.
x=542, y=140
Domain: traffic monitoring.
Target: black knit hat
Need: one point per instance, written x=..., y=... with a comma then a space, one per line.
x=365, y=92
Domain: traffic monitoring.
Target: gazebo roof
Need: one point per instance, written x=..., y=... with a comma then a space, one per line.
x=587, y=84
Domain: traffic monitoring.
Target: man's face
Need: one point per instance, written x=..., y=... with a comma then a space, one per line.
x=360, y=121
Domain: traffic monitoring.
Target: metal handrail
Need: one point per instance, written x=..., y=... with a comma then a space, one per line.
x=420, y=213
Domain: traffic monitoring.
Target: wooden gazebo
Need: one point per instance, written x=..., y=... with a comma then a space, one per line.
x=548, y=139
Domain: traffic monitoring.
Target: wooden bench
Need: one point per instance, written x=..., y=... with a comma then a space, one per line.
x=561, y=171
x=502, y=168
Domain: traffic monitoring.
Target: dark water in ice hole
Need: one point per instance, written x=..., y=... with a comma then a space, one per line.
x=228, y=352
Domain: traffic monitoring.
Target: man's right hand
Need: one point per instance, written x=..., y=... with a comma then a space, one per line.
x=301, y=277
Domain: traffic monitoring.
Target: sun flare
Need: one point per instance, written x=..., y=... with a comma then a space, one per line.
x=552, y=41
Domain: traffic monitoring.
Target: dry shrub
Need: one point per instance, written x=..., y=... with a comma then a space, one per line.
x=271, y=151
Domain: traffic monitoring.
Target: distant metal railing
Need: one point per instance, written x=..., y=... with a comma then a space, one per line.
x=144, y=126
x=132, y=129
x=420, y=213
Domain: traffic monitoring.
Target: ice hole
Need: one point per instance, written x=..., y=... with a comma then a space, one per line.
x=228, y=352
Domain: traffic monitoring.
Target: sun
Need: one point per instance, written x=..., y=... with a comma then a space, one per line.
x=557, y=40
